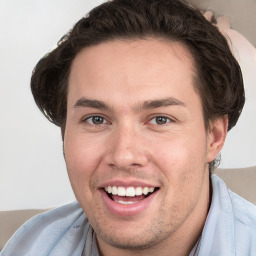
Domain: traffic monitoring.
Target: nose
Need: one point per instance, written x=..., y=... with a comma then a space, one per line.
x=126, y=149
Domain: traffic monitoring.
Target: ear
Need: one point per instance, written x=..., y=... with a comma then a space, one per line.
x=216, y=136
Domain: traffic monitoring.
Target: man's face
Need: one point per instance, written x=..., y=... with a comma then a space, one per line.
x=135, y=124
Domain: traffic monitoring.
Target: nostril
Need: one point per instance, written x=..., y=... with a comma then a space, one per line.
x=112, y=165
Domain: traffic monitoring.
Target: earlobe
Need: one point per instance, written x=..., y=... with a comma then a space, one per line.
x=216, y=136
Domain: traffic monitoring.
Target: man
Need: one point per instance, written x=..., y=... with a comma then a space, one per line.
x=144, y=92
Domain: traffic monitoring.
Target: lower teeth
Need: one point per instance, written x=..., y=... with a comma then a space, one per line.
x=125, y=202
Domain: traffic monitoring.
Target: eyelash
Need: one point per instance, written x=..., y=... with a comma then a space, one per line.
x=92, y=117
x=167, y=119
x=104, y=121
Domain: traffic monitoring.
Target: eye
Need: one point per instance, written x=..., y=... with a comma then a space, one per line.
x=160, y=120
x=96, y=120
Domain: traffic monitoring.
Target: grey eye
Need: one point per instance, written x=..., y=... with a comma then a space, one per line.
x=96, y=120
x=160, y=120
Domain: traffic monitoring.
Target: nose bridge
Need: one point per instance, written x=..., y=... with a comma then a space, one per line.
x=127, y=148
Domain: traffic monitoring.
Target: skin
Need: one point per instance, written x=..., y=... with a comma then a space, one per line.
x=129, y=144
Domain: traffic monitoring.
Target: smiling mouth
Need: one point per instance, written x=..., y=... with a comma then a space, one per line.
x=129, y=195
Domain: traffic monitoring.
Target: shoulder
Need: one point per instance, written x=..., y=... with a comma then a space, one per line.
x=42, y=233
x=243, y=214
x=243, y=211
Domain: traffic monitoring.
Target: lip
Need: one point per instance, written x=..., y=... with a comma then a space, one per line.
x=127, y=209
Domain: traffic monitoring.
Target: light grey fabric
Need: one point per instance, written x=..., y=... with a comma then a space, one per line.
x=230, y=228
x=241, y=181
x=58, y=232
x=10, y=221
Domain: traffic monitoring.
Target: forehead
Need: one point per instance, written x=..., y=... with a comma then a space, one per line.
x=128, y=68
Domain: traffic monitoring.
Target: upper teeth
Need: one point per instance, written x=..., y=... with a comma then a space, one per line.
x=129, y=191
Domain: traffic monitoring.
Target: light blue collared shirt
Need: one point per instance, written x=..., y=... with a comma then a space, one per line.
x=230, y=230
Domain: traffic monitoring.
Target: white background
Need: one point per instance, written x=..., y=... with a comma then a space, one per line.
x=32, y=169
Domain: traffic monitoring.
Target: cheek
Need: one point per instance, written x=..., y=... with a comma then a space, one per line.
x=179, y=152
x=183, y=165
x=82, y=159
x=182, y=161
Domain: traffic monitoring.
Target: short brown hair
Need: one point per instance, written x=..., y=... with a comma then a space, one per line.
x=219, y=79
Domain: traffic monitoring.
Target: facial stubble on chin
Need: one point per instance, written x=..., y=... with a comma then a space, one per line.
x=154, y=234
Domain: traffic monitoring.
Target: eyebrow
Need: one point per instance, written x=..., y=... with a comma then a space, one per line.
x=170, y=101
x=149, y=104
x=83, y=102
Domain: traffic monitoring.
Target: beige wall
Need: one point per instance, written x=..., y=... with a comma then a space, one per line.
x=242, y=14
